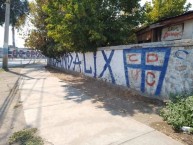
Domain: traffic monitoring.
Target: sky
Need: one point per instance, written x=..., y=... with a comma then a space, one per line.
x=19, y=41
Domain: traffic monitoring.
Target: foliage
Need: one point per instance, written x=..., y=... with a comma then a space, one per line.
x=160, y=9
x=1, y=70
x=81, y=26
x=177, y=97
x=26, y=137
x=88, y=24
x=2, y=11
x=179, y=112
x=37, y=37
x=18, y=11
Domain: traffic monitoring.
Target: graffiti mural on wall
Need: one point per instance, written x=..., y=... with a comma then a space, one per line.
x=146, y=67
x=181, y=54
x=89, y=69
x=26, y=53
x=143, y=69
x=107, y=65
x=77, y=62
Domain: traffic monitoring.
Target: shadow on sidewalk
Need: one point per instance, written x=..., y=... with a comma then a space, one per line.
x=117, y=100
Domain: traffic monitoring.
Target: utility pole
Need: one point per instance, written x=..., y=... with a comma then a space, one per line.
x=6, y=35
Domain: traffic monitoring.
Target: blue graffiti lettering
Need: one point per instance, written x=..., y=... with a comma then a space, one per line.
x=86, y=70
x=21, y=53
x=181, y=54
x=107, y=65
x=66, y=61
x=61, y=62
x=95, y=68
x=77, y=62
x=28, y=54
x=69, y=60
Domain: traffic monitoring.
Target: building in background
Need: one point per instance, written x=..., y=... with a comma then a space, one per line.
x=173, y=28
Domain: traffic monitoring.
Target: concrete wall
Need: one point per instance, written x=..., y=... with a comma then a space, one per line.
x=154, y=69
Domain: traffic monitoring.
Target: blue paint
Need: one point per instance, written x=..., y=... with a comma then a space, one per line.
x=179, y=52
x=163, y=72
x=143, y=58
x=88, y=71
x=54, y=62
x=65, y=61
x=145, y=67
x=57, y=62
x=77, y=62
x=28, y=54
x=107, y=65
x=61, y=62
x=70, y=60
x=9, y=52
x=95, y=68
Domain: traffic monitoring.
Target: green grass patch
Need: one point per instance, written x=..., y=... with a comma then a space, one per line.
x=1, y=70
x=179, y=112
x=26, y=137
x=17, y=105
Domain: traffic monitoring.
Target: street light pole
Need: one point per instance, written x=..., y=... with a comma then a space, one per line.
x=6, y=35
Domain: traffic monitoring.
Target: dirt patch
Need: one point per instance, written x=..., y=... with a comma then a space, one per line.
x=120, y=101
x=167, y=129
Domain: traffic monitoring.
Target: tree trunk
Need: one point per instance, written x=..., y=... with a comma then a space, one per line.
x=13, y=36
x=13, y=40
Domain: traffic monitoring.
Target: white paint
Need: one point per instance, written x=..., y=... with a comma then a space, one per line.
x=147, y=70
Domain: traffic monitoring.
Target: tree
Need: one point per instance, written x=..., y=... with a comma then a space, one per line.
x=88, y=24
x=18, y=14
x=37, y=38
x=2, y=12
x=18, y=11
x=160, y=9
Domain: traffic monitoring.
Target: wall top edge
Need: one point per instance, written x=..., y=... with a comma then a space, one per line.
x=176, y=43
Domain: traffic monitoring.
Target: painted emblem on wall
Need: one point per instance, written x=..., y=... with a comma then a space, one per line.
x=145, y=68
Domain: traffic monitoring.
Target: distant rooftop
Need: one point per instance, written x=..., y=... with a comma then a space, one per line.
x=186, y=16
x=167, y=29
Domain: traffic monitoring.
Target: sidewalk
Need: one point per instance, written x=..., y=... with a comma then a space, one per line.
x=11, y=119
x=8, y=81
x=66, y=116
